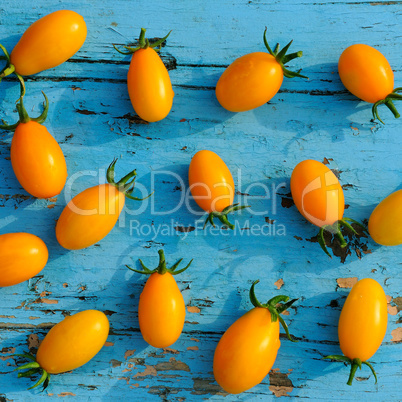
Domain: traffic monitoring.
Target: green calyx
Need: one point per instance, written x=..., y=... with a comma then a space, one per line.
x=223, y=216
x=276, y=306
x=336, y=230
x=31, y=369
x=161, y=268
x=143, y=43
x=23, y=114
x=355, y=364
x=394, y=95
x=9, y=68
x=282, y=58
x=126, y=184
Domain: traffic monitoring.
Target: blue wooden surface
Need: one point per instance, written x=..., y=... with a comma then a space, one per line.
x=92, y=118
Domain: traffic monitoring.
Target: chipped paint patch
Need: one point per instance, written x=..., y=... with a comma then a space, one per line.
x=107, y=344
x=171, y=365
x=205, y=386
x=128, y=353
x=396, y=335
x=33, y=341
x=63, y=394
x=170, y=350
x=280, y=384
x=346, y=283
x=149, y=370
x=279, y=283
x=193, y=309
x=7, y=351
x=192, y=348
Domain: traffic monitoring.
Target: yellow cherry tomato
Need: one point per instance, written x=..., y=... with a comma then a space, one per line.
x=211, y=183
x=22, y=256
x=48, y=42
x=92, y=214
x=317, y=193
x=69, y=344
x=253, y=79
x=385, y=223
x=363, y=321
x=366, y=73
x=247, y=350
x=362, y=325
x=38, y=161
x=148, y=80
x=161, y=309
x=212, y=186
x=318, y=196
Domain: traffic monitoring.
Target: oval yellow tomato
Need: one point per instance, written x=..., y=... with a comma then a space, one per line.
x=211, y=183
x=49, y=42
x=247, y=350
x=89, y=216
x=385, y=223
x=254, y=79
x=366, y=73
x=212, y=187
x=149, y=85
x=92, y=214
x=148, y=81
x=317, y=193
x=161, y=309
x=362, y=325
x=249, y=82
x=73, y=342
x=22, y=256
x=318, y=196
x=68, y=345
x=363, y=321
x=38, y=161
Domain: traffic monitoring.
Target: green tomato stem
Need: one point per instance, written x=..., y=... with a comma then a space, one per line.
x=161, y=268
x=223, y=216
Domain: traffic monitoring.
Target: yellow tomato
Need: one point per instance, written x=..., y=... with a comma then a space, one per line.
x=149, y=85
x=248, y=348
x=68, y=345
x=148, y=80
x=48, y=42
x=385, y=223
x=366, y=73
x=363, y=321
x=22, y=256
x=249, y=82
x=38, y=161
x=92, y=214
x=211, y=183
x=247, y=351
x=254, y=79
x=161, y=310
x=317, y=193
x=89, y=216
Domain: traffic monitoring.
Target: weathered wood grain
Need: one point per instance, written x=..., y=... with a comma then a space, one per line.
x=91, y=117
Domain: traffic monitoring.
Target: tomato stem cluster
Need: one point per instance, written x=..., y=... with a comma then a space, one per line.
x=355, y=364
x=336, y=230
x=143, y=43
x=161, y=268
x=124, y=185
x=223, y=216
x=9, y=68
x=282, y=58
x=275, y=306
x=32, y=368
x=387, y=101
x=23, y=114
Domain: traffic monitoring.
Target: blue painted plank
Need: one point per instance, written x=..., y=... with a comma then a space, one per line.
x=92, y=118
